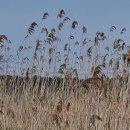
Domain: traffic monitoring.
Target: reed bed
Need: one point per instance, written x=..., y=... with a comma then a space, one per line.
x=60, y=83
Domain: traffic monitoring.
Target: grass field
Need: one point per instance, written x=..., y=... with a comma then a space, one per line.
x=83, y=85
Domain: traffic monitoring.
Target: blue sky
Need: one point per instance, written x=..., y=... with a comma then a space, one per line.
x=16, y=15
x=97, y=15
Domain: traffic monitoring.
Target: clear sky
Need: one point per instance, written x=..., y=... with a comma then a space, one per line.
x=16, y=15
x=97, y=15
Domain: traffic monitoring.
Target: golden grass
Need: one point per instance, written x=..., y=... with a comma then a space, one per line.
x=88, y=110
x=99, y=101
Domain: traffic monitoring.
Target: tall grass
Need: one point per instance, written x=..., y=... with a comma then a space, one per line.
x=59, y=83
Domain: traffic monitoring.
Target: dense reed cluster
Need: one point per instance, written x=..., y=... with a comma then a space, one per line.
x=60, y=81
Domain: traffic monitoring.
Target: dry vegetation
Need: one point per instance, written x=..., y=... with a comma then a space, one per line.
x=54, y=84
